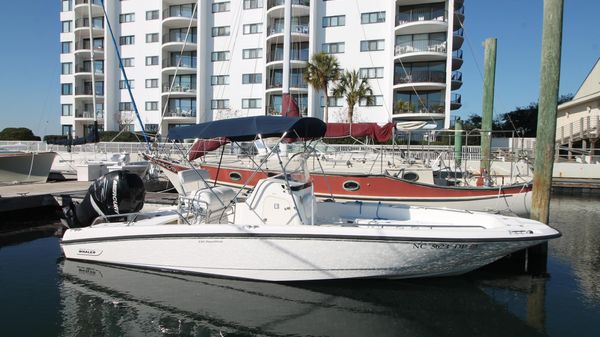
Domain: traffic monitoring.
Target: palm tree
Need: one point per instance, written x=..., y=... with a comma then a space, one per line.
x=354, y=88
x=322, y=69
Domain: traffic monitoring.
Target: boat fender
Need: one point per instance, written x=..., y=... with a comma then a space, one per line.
x=117, y=192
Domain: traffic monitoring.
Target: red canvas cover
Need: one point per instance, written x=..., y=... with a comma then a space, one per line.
x=202, y=146
x=381, y=134
x=289, y=107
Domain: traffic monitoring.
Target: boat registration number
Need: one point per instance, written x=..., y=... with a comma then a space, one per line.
x=429, y=245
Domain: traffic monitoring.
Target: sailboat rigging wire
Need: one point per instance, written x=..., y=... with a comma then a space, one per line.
x=121, y=66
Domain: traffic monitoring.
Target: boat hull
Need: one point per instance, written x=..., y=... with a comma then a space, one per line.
x=513, y=199
x=25, y=167
x=286, y=253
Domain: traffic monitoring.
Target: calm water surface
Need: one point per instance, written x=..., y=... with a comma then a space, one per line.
x=43, y=295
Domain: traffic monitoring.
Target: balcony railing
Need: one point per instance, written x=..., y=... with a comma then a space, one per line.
x=182, y=64
x=421, y=76
x=98, y=24
x=179, y=88
x=94, y=2
x=455, y=99
x=420, y=14
x=295, y=56
x=168, y=13
x=88, y=69
x=88, y=91
x=88, y=114
x=86, y=46
x=177, y=112
x=401, y=107
x=192, y=38
x=457, y=54
x=457, y=76
x=296, y=29
x=274, y=3
x=421, y=46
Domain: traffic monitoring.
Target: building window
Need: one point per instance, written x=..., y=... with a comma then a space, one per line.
x=184, y=107
x=126, y=40
x=333, y=48
x=151, y=37
x=67, y=5
x=220, y=31
x=66, y=26
x=219, y=56
x=66, y=89
x=65, y=47
x=252, y=78
x=151, y=127
x=219, y=80
x=376, y=72
x=221, y=7
x=253, y=28
x=67, y=109
x=334, y=21
x=371, y=45
x=123, y=84
x=377, y=101
x=66, y=68
x=152, y=106
x=127, y=17
x=251, y=103
x=251, y=4
x=152, y=15
x=125, y=106
x=152, y=83
x=374, y=17
x=67, y=130
x=252, y=53
x=334, y=102
x=219, y=104
x=129, y=62
x=151, y=60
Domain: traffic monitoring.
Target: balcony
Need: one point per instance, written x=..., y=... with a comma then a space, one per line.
x=276, y=8
x=174, y=17
x=421, y=50
x=458, y=39
x=421, y=77
x=179, y=113
x=81, y=7
x=455, y=102
x=175, y=42
x=296, y=30
x=87, y=70
x=456, y=80
x=184, y=67
x=84, y=47
x=457, y=59
x=97, y=24
x=177, y=89
x=88, y=115
x=421, y=20
x=88, y=92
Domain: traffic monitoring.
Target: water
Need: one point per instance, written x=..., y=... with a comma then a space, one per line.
x=43, y=295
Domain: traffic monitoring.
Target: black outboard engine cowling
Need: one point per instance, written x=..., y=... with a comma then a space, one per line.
x=117, y=192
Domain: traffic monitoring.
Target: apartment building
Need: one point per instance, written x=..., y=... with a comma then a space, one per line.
x=181, y=62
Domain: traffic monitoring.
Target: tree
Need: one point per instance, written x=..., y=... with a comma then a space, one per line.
x=354, y=88
x=17, y=134
x=320, y=71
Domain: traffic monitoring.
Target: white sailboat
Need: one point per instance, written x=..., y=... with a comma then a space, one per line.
x=280, y=232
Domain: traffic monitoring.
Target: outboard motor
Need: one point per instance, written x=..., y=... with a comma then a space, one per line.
x=117, y=192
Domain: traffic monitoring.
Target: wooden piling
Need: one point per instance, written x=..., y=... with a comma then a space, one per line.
x=546, y=124
x=488, y=102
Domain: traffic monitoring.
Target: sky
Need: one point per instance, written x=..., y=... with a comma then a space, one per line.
x=30, y=66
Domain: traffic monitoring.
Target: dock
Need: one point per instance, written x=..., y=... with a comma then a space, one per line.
x=29, y=211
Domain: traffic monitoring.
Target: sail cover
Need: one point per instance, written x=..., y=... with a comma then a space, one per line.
x=381, y=134
x=289, y=107
x=247, y=128
x=203, y=146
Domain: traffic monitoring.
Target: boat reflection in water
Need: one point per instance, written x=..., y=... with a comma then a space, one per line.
x=107, y=300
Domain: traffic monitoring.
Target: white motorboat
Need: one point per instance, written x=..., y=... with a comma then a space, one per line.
x=280, y=232
x=24, y=166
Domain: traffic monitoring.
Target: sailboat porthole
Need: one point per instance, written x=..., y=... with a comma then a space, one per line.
x=410, y=176
x=351, y=185
x=235, y=176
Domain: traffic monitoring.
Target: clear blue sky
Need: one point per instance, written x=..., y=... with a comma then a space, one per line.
x=29, y=57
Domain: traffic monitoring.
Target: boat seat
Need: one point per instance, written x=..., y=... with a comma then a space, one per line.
x=215, y=199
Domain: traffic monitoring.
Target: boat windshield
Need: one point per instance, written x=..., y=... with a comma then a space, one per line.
x=297, y=169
